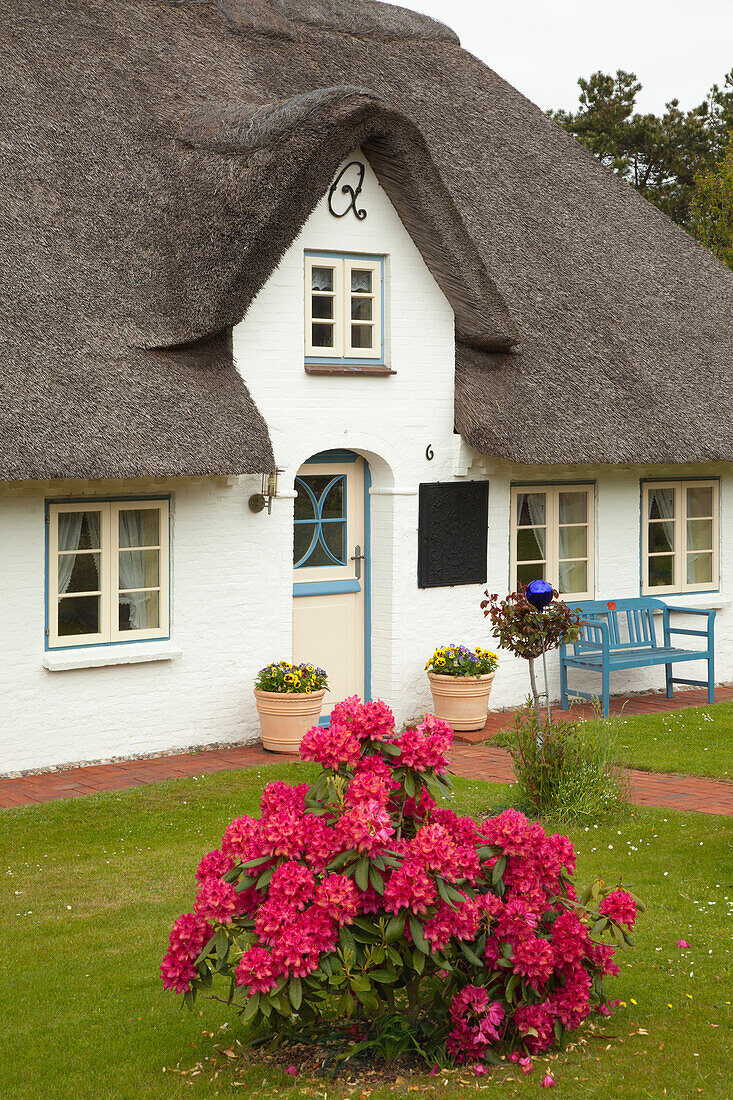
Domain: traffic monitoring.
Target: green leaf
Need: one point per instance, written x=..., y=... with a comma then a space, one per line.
x=409, y=783
x=362, y=873
x=418, y=961
x=385, y=977
x=395, y=928
x=339, y=861
x=443, y=891
x=470, y=955
x=252, y=863
x=206, y=949
x=511, y=986
x=347, y=940
x=295, y=992
x=498, y=870
x=390, y=749
x=221, y=943
x=418, y=937
x=376, y=880
x=265, y=877
x=251, y=1007
x=233, y=874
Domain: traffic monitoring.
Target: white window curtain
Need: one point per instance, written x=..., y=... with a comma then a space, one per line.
x=70, y=525
x=664, y=500
x=132, y=566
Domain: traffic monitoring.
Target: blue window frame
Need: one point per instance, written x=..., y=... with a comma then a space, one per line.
x=319, y=537
x=344, y=309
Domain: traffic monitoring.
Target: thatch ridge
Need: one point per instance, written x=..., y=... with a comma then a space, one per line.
x=129, y=224
x=309, y=135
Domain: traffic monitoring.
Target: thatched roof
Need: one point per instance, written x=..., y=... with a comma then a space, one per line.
x=159, y=156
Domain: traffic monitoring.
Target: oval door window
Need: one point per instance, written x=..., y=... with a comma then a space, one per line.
x=319, y=537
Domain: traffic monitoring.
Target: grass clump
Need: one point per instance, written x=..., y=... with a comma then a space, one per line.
x=569, y=772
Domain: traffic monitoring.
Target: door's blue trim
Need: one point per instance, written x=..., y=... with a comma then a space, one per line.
x=336, y=455
x=367, y=584
x=324, y=588
x=318, y=588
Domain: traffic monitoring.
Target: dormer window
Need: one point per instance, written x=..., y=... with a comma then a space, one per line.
x=344, y=310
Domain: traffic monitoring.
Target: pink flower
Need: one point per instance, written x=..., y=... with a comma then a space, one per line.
x=332, y=746
x=217, y=901
x=526, y=1064
x=427, y=746
x=214, y=865
x=479, y=1069
x=373, y=721
x=683, y=944
x=534, y=959
x=410, y=887
x=339, y=897
x=188, y=936
x=538, y=1018
x=177, y=972
x=292, y=1071
x=620, y=906
x=292, y=885
x=547, y=1081
x=280, y=796
x=365, y=827
x=242, y=839
x=258, y=970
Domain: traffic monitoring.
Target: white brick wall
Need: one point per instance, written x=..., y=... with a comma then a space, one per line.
x=232, y=570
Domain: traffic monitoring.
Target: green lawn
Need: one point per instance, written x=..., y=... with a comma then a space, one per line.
x=92, y=885
x=695, y=741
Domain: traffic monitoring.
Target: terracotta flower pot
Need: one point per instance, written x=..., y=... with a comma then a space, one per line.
x=461, y=701
x=286, y=717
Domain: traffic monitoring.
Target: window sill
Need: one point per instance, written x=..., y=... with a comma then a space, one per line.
x=706, y=601
x=335, y=367
x=130, y=653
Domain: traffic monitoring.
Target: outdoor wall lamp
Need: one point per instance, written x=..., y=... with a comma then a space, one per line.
x=258, y=501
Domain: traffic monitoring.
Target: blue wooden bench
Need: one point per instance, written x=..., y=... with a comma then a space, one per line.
x=618, y=634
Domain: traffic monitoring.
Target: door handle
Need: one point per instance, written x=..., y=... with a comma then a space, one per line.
x=358, y=558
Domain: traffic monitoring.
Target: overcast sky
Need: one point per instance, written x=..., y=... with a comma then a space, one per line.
x=542, y=46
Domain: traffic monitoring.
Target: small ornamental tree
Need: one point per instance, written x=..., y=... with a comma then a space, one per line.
x=528, y=632
x=360, y=896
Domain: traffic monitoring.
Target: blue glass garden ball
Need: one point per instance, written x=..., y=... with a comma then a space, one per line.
x=539, y=594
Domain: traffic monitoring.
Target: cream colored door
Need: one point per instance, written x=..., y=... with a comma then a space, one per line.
x=329, y=574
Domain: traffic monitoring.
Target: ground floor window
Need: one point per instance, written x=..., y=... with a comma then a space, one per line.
x=679, y=536
x=552, y=537
x=108, y=572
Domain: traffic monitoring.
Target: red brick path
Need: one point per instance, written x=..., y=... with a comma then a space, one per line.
x=650, y=703
x=473, y=761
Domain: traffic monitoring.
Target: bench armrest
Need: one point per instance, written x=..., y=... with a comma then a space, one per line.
x=601, y=639
x=706, y=633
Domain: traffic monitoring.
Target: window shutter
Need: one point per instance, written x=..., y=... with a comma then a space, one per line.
x=452, y=533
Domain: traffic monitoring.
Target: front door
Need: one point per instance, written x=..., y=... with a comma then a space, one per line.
x=330, y=574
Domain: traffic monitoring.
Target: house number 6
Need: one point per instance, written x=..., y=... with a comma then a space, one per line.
x=429, y=454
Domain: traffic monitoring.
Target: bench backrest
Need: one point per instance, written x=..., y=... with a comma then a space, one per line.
x=630, y=622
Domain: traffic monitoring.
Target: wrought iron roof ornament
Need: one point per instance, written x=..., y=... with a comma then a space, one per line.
x=348, y=189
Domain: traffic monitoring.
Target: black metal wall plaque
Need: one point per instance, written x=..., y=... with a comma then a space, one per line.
x=452, y=533
x=350, y=190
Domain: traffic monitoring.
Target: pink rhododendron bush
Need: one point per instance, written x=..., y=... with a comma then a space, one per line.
x=361, y=897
